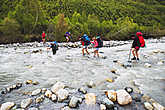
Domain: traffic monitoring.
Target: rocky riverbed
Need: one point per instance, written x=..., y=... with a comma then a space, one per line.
x=32, y=78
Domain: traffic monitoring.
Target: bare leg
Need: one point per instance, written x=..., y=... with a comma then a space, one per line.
x=133, y=52
x=97, y=53
x=137, y=55
x=87, y=51
x=94, y=53
x=83, y=51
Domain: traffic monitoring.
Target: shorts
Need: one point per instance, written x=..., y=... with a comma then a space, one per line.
x=136, y=48
x=97, y=49
x=85, y=47
x=67, y=38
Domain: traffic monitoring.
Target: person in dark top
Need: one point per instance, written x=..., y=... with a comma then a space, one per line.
x=135, y=47
x=54, y=47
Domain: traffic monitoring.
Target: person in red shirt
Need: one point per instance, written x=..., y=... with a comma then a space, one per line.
x=43, y=37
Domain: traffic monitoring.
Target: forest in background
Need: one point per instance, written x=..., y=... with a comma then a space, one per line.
x=24, y=20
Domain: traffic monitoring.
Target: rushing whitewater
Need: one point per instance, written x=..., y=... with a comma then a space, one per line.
x=18, y=64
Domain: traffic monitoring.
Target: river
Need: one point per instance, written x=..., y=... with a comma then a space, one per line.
x=70, y=67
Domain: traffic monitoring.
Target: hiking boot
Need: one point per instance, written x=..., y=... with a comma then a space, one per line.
x=134, y=58
x=137, y=59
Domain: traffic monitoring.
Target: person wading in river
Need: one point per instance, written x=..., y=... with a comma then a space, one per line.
x=137, y=43
x=85, y=40
x=95, y=45
x=43, y=37
x=68, y=36
x=54, y=47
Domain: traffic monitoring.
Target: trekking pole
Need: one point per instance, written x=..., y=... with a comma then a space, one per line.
x=129, y=56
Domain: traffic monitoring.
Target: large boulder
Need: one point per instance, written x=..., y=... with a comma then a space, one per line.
x=157, y=106
x=57, y=86
x=48, y=94
x=102, y=107
x=26, y=102
x=54, y=97
x=123, y=97
x=108, y=103
x=62, y=95
x=7, y=106
x=148, y=106
x=73, y=102
x=112, y=95
x=91, y=84
x=36, y=92
x=90, y=98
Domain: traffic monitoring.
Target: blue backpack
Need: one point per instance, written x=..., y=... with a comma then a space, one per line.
x=86, y=39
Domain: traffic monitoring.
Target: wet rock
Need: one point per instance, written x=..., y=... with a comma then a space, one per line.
x=35, y=83
x=90, y=98
x=14, y=86
x=112, y=95
x=29, y=82
x=48, y=93
x=115, y=61
x=3, y=91
x=148, y=106
x=33, y=108
x=156, y=51
x=39, y=99
x=160, y=62
x=113, y=71
x=91, y=84
x=36, y=92
x=157, y=106
x=146, y=98
x=36, y=51
x=62, y=95
x=129, y=89
x=27, y=93
x=7, y=106
x=66, y=108
x=109, y=80
x=104, y=57
x=18, y=85
x=44, y=90
x=57, y=86
x=82, y=90
x=123, y=97
x=8, y=89
x=26, y=102
x=147, y=65
x=102, y=107
x=137, y=97
x=73, y=102
x=29, y=66
x=54, y=97
x=108, y=103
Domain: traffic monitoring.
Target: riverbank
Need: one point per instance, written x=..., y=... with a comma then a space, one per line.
x=21, y=62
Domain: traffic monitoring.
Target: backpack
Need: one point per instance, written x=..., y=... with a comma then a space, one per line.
x=142, y=42
x=100, y=42
x=86, y=39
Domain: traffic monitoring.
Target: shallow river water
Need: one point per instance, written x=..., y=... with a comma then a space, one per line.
x=70, y=67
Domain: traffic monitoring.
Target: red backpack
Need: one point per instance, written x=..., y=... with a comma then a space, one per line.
x=142, y=42
x=141, y=39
